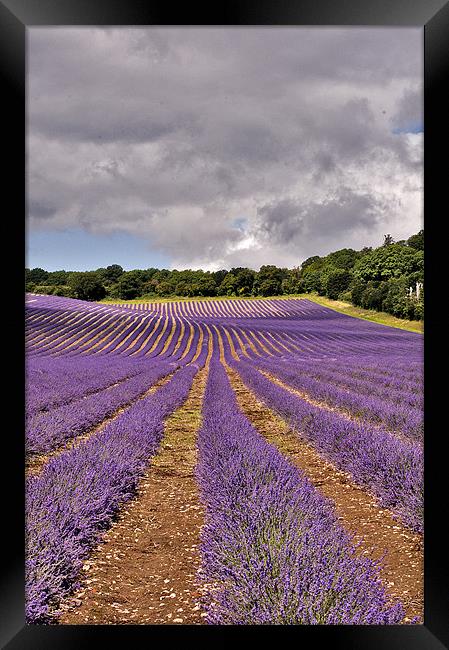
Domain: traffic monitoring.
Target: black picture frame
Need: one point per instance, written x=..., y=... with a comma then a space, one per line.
x=433, y=16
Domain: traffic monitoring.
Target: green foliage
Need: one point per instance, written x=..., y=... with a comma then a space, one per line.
x=49, y=290
x=228, y=286
x=111, y=274
x=387, y=262
x=345, y=296
x=268, y=282
x=292, y=283
x=398, y=301
x=417, y=241
x=310, y=260
x=131, y=284
x=358, y=287
x=338, y=281
x=343, y=259
x=219, y=276
x=311, y=280
x=373, y=295
x=87, y=285
x=269, y=287
x=365, y=250
x=36, y=276
x=165, y=288
x=57, y=278
x=63, y=291
x=244, y=281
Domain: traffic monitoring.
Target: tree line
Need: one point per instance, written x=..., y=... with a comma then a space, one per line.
x=387, y=278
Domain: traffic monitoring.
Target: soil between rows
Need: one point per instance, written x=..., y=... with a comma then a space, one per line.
x=145, y=570
x=374, y=527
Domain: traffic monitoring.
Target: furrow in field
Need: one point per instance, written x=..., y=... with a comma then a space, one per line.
x=380, y=536
x=48, y=337
x=35, y=463
x=388, y=467
x=77, y=495
x=347, y=415
x=144, y=571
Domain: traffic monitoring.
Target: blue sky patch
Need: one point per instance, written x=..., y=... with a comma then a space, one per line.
x=78, y=250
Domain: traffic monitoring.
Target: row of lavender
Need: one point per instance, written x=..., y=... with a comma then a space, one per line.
x=388, y=466
x=67, y=398
x=78, y=493
x=48, y=430
x=401, y=413
x=273, y=551
x=306, y=329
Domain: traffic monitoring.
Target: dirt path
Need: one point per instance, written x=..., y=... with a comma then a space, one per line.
x=145, y=571
x=358, y=512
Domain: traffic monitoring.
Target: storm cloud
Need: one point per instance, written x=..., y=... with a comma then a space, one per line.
x=227, y=146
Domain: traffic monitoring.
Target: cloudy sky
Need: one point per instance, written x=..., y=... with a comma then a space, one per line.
x=219, y=147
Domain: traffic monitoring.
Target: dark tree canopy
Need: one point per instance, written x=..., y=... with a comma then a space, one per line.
x=87, y=286
x=389, y=262
x=37, y=275
x=417, y=241
x=310, y=260
x=337, y=282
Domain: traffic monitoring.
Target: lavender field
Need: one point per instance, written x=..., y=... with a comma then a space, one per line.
x=326, y=532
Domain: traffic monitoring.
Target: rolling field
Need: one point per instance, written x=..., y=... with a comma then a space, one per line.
x=221, y=462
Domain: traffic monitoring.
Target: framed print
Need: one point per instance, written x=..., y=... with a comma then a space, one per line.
x=232, y=414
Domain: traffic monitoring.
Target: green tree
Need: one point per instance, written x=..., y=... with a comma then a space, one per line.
x=244, y=281
x=311, y=280
x=269, y=287
x=165, y=288
x=292, y=283
x=219, y=276
x=342, y=259
x=372, y=296
x=269, y=278
x=205, y=286
x=130, y=285
x=310, y=260
x=338, y=281
x=417, y=241
x=357, y=289
x=397, y=301
x=389, y=262
x=86, y=286
x=228, y=287
x=111, y=274
x=36, y=276
x=57, y=278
